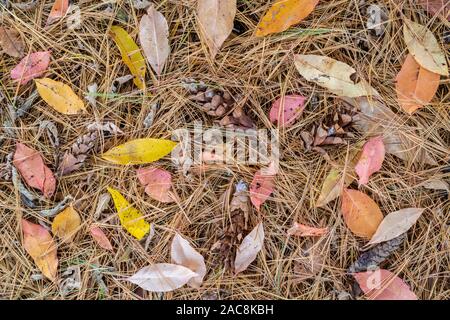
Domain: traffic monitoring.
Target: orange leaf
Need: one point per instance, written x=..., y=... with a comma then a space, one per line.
x=66, y=224
x=58, y=11
x=40, y=246
x=302, y=230
x=361, y=214
x=157, y=182
x=415, y=85
x=100, y=237
x=372, y=158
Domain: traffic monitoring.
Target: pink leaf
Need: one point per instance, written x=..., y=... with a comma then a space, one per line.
x=262, y=187
x=32, y=66
x=157, y=182
x=302, y=230
x=286, y=109
x=33, y=170
x=372, y=158
x=383, y=285
x=100, y=237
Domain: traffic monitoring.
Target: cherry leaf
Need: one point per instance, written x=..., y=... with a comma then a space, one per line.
x=31, y=66
x=372, y=158
x=262, y=187
x=100, y=237
x=287, y=109
x=157, y=182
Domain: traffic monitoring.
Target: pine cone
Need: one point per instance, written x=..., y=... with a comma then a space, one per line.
x=74, y=159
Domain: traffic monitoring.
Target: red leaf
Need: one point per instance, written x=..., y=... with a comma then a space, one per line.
x=157, y=182
x=32, y=66
x=383, y=285
x=58, y=11
x=372, y=158
x=302, y=230
x=33, y=169
x=100, y=237
x=286, y=109
x=262, y=186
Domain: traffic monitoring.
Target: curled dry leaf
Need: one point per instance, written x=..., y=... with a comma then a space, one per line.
x=302, y=230
x=131, y=55
x=31, y=66
x=130, y=218
x=361, y=214
x=215, y=19
x=154, y=38
x=58, y=11
x=100, y=237
x=383, y=285
x=372, y=158
x=424, y=47
x=66, y=224
x=59, y=96
x=11, y=42
x=39, y=244
x=139, y=151
x=396, y=223
x=249, y=248
x=284, y=14
x=157, y=182
x=184, y=254
x=261, y=188
x=333, y=75
x=33, y=170
x=162, y=277
x=287, y=109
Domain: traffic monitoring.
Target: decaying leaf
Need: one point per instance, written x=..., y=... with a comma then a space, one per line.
x=371, y=159
x=71, y=281
x=162, y=277
x=139, y=151
x=215, y=19
x=332, y=186
x=31, y=66
x=102, y=204
x=415, y=85
x=437, y=7
x=66, y=224
x=58, y=11
x=396, y=223
x=182, y=253
x=91, y=96
x=131, y=55
x=11, y=42
x=157, y=182
x=59, y=96
x=286, y=109
x=130, y=218
x=154, y=38
x=249, y=248
x=383, y=285
x=284, y=14
x=100, y=237
x=311, y=259
x=302, y=230
x=333, y=75
x=40, y=246
x=361, y=214
x=262, y=186
x=436, y=185
x=33, y=170
x=424, y=47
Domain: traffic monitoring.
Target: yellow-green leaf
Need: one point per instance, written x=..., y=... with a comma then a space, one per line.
x=139, y=151
x=59, y=96
x=130, y=218
x=131, y=55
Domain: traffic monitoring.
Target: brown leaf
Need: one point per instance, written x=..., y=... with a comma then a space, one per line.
x=434, y=7
x=11, y=42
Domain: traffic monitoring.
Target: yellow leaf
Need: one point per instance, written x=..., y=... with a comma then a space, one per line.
x=66, y=224
x=130, y=218
x=59, y=96
x=139, y=151
x=131, y=55
x=283, y=14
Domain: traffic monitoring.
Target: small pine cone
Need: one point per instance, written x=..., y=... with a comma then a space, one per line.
x=74, y=159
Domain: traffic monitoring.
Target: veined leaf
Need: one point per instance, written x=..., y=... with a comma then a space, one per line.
x=11, y=42
x=157, y=182
x=372, y=158
x=59, y=96
x=32, y=66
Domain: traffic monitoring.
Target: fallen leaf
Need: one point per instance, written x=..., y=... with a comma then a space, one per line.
x=139, y=151
x=311, y=259
x=333, y=75
x=33, y=170
x=383, y=285
x=100, y=237
x=249, y=248
x=372, y=158
x=66, y=224
x=302, y=230
x=436, y=185
x=157, y=182
x=183, y=254
x=286, y=109
x=332, y=186
x=11, y=42
x=58, y=11
x=39, y=244
x=437, y=7
x=415, y=86
x=32, y=66
x=261, y=188
x=130, y=218
x=215, y=19
x=131, y=55
x=361, y=214
x=396, y=223
x=424, y=47
x=59, y=96
x=162, y=277
x=284, y=14
x=154, y=38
